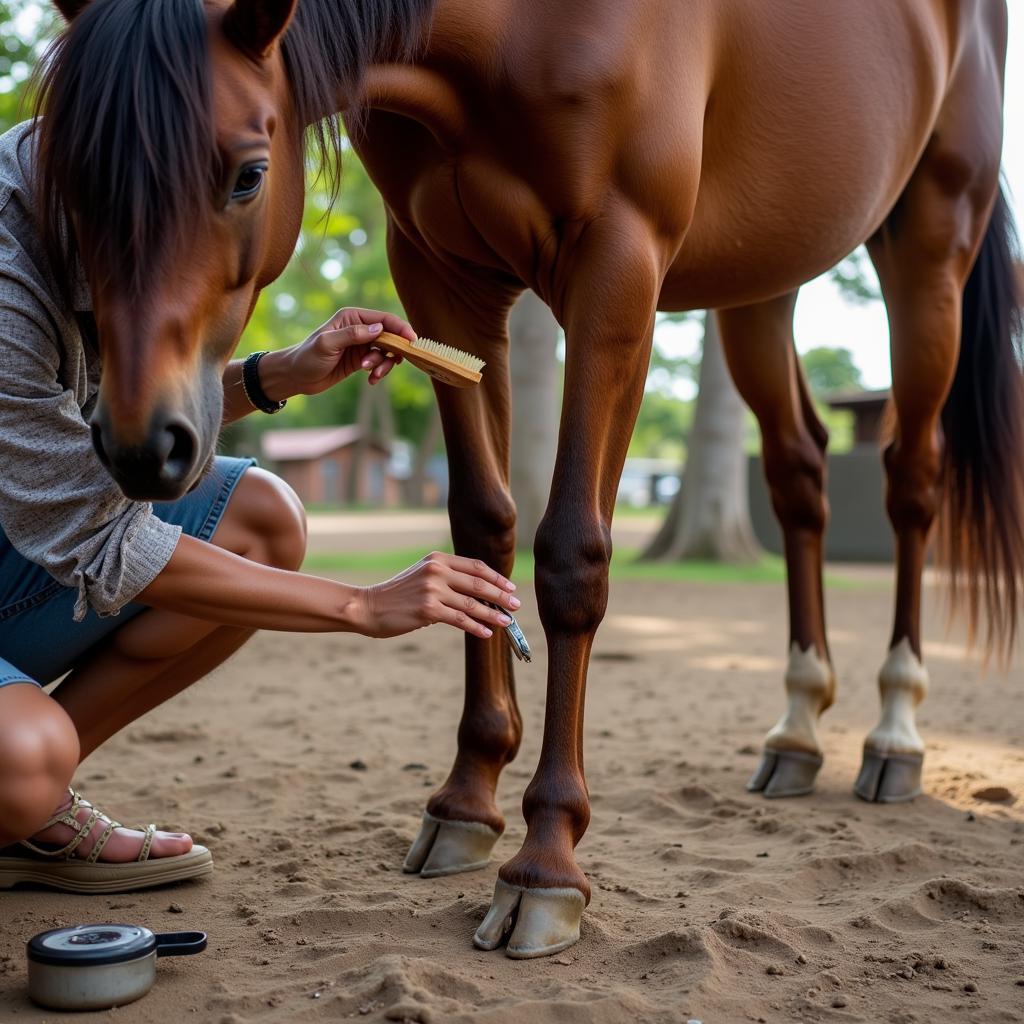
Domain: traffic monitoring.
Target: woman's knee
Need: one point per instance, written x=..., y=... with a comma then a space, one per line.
x=39, y=752
x=264, y=521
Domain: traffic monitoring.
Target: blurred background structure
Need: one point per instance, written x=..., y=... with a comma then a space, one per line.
x=693, y=477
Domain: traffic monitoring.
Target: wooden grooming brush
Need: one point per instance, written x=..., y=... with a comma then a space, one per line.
x=442, y=362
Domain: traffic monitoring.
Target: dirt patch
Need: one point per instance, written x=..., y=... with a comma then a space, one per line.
x=306, y=761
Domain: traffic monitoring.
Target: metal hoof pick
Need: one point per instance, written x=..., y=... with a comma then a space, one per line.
x=515, y=636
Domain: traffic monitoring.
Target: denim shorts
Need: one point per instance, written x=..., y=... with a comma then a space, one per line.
x=39, y=639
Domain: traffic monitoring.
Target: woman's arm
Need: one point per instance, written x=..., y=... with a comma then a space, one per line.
x=206, y=582
x=330, y=354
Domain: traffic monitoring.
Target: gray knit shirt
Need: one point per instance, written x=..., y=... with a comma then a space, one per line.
x=58, y=505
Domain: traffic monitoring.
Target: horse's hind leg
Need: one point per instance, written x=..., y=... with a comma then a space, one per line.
x=462, y=821
x=758, y=343
x=923, y=254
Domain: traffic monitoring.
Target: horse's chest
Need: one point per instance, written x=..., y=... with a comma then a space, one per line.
x=474, y=209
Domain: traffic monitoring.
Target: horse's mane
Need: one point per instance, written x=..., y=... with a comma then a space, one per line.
x=125, y=153
x=330, y=43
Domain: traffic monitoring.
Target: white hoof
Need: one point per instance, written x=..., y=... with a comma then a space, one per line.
x=889, y=778
x=533, y=922
x=783, y=773
x=448, y=847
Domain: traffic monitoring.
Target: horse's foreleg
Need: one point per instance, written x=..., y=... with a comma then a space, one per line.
x=462, y=821
x=608, y=314
x=923, y=255
x=758, y=343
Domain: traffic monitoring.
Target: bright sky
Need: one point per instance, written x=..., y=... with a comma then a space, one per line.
x=824, y=316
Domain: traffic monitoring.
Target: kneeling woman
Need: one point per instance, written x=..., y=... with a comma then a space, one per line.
x=132, y=602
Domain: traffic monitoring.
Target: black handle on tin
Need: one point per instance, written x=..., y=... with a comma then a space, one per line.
x=180, y=943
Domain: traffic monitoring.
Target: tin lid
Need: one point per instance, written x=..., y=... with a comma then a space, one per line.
x=88, y=945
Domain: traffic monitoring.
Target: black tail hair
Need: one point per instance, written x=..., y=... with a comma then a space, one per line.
x=981, y=532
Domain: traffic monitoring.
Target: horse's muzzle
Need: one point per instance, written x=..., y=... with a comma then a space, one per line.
x=161, y=468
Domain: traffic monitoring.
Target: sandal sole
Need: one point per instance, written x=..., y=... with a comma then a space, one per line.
x=79, y=877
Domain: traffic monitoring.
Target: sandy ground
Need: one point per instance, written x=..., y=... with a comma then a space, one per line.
x=404, y=530
x=305, y=762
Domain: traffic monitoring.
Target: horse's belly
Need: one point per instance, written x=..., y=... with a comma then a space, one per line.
x=760, y=260
x=807, y=150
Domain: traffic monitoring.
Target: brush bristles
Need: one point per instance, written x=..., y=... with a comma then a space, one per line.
x=451, y=355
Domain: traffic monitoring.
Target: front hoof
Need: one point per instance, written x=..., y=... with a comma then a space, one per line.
x=784, y=773
x=889, y=778
x=448, y=847
x=533, y=922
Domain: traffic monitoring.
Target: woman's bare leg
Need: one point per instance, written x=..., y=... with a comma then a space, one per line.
x=150, y=659
x=38, y=756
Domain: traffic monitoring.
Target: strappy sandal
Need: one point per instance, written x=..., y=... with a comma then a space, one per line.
x=61, y=869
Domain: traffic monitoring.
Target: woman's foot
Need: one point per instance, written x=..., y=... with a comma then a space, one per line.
x=82, y=850
x=122, y=845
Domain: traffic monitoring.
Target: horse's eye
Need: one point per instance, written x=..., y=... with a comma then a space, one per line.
x=249, y=181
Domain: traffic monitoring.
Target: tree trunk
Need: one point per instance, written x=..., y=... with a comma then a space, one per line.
x=416, y=491
x=710, y=515
x=374, y=404
x=535, y=408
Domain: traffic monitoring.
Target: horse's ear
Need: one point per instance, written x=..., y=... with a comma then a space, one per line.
x=254, y=25
x=70, y=8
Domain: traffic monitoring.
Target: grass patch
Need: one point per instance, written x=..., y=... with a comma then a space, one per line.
x=383, y=564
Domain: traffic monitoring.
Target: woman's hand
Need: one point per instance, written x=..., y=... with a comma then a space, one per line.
x=331, y=353
x=439, y=588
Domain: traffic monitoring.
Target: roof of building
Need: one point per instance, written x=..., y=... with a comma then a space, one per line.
x=304, y=443
x=857, y=399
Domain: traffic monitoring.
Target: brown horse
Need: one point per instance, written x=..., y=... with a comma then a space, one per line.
x=617, y=159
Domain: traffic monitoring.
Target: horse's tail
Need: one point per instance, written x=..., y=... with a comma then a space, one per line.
x=981, y=533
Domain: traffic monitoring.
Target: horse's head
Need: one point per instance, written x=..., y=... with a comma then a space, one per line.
x=171, y=177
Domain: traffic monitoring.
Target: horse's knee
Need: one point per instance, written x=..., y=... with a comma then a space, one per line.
x=39, y=752
x=268, y=521
x=484, y=524
x=572, y=558
x=795, y=468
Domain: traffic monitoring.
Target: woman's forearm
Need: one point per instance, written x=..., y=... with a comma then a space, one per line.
x=209, y=583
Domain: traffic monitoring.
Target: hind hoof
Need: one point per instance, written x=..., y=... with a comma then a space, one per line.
x=889, y=778
x=448, y=847
x=783, y=773
x=531, y=922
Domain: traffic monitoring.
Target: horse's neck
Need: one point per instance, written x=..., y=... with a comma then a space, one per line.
x=322, y=49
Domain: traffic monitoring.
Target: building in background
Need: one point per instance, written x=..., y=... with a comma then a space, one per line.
x=333, y=466
x=858, y=527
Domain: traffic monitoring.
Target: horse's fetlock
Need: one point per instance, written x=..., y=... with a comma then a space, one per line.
x=903, y=672
x=564, y=798
x=810, y=676
x=493, y=733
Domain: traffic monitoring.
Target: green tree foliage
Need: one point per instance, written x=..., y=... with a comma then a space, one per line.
x=25, y=27
x=856, y=278
x=831, y=369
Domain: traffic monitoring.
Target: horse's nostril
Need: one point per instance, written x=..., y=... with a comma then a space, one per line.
x=97, y=443
x=181, y=456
